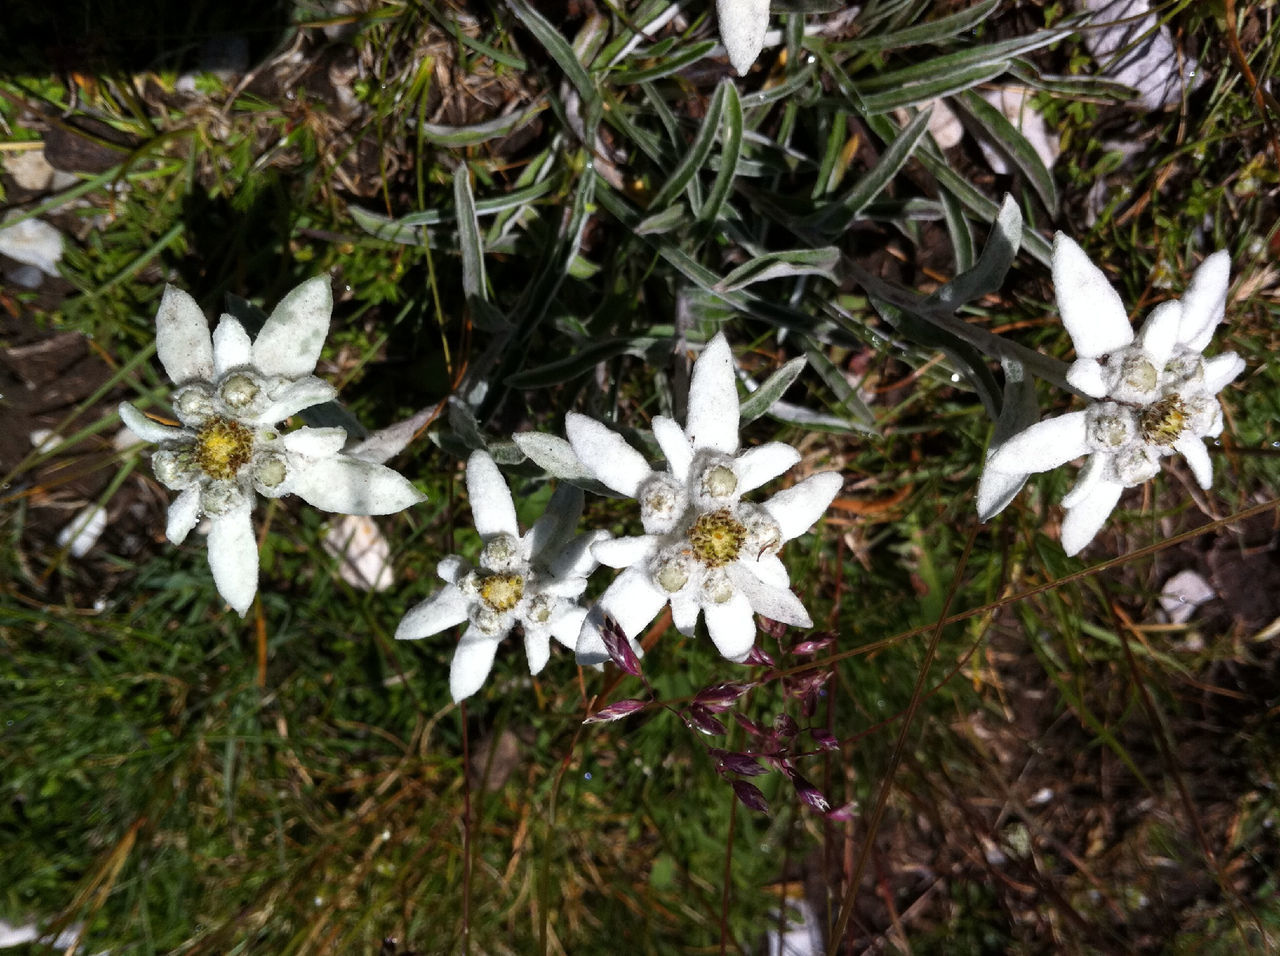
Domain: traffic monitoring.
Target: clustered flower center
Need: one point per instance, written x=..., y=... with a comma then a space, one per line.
x=223, y=447
x=716, y=538
x=1163, y=422
x=502, y=592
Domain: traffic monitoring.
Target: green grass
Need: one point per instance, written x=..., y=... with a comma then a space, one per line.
x=177, y=780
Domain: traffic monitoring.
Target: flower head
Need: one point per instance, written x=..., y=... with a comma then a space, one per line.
x=532, y=580
x=231, y=393
x=1155, y=393
x=705, y=550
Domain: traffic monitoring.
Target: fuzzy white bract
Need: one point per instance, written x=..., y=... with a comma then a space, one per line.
x=705, y=550
x=742, y=27
x=533, y=580
x=230, y=394
x=1155, y=394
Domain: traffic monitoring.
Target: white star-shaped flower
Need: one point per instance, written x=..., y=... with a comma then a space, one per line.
x=1156, y=393
x=704, y=550
x=533, y=580
x=231, y=392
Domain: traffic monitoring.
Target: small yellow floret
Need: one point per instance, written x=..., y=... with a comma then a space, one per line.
x=502, y=592
x=223, y=447
x=716, y=538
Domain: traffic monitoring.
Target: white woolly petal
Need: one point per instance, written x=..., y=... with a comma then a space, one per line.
x=1192, y=449
x=349, y=486
x=1159, y=333
x=451, y=568
x=996, y=489
x=675, y=446
x=1088, y=376
x=315, y=442
x=713, y=399
x=1091, y=309
x=553, y=529
x=291, y=339
x=566, y=625
x=184, y=512
x=606, y=454
x=1205, y=301
x=742, y=27
x=537, y=648
x=633, y=600
x=798, y=507
x=1095, y=466
x=1045, y=445
x=564, y=587
x=293, y=398
x=731, y=626
x=685, y=609
x=444, y=609
x=231, y=346
x=1221, y=370
x=149, y=430
x=388, y=442
x=492, y=509
x=624, y=552
x=1083, y=521
x=183, y=344
x=757, y=465
x=472, y=662
x=777, y=604
x=576, y=558
x=770, y=569
x=233, y=556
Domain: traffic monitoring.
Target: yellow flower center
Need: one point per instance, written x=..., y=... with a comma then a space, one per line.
x=502, y=592
x=1163, y=422
x=223, y=447
x=716, y=538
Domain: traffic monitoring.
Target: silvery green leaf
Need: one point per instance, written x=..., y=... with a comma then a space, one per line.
x=696, y=154
x=1019, y=412
x=730, y=152
x=459, y=136
x=469, y=241
x=836, y=217
x=932, y=31
x=557, y=458
x=763, y=397
x=463, y=422
x=778, y=265
x=674, y=216
x=988, y=274
x=1013, y=143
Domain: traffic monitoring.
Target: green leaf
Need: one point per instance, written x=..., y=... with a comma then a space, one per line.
x=776, y=265
x=695, y=156
x=935, y=31
x=557, y=46
x=470, y=243
x=1013, y=144
x=730, y=150
x=457, y=136
x=836, y=217
x=581, y=361
x=993, y=265
x=773, y=388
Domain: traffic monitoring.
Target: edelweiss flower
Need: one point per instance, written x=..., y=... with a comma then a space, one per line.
x=532, y=580
x=231, y=393
x=705, y=550
x=1157, y=393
